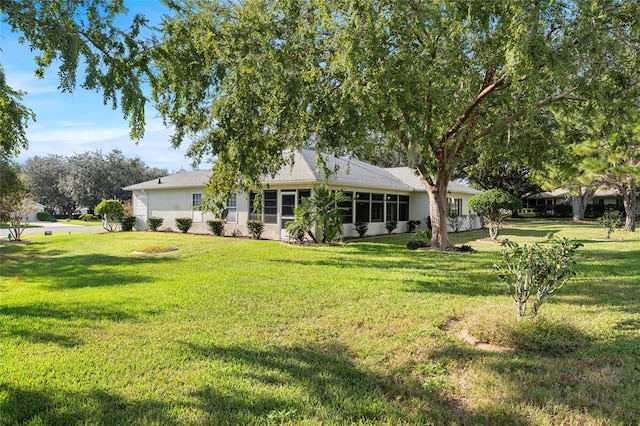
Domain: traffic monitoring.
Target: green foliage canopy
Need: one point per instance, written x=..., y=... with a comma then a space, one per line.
x=71, y=33
x=245, y=81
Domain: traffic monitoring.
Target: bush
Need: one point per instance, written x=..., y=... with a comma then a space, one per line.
x=42, y=216
x=127, y=223
x=541, y=210
x=256, y=228
x=361, y=228
x=610, y=220
x=416, y=244
x=184, y=224
x=421, y=239
x=455, y=221
x=391, y=226
x=594, y=211
x=296, y=229
x=216, y=227
x=423, y=235
x=562, y=210
x=87, y=217
x=494, y=205
x=412, y=225
x=536, y=269
x=154, y=223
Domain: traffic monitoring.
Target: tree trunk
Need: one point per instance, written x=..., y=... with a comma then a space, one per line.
x=438, y=211
x=580, y=202
x=629, y=201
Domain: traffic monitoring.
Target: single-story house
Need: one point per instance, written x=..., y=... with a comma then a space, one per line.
x=562, y=196
x=376, y=195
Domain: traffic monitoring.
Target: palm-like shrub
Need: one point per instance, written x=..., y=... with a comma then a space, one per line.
x=322, y=211
x=154, y=223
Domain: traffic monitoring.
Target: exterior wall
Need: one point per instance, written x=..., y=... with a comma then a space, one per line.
x=170, y=204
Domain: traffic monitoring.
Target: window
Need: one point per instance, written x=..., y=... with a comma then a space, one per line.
x=196, y=200
x=377, y=207
x=362, y=206
x=232, y=209
x=269, y=207
x=347, y=208
x=454, y=206
x=403, y=207
x=392, y=208
x=302, y=194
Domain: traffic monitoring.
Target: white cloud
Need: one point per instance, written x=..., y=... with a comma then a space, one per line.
x=28, y=82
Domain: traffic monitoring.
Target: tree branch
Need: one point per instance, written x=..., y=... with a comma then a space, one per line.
x=566, y=96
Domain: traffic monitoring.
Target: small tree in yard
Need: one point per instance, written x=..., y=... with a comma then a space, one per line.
x=610, y=220
x=536, y=269
x=111, y=211
x=494, y=205
x=14, y=213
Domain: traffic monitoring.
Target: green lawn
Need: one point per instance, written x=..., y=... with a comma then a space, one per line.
x=235, y=331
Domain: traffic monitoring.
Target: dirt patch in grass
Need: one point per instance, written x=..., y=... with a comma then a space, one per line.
x=154, y=249
x=466, y=336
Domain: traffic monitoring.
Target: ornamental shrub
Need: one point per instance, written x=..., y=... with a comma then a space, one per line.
x=42, y=216
x=216, y=227
x=154, y=223
x=361, y=228
x=494, y=205
x=256, y=228
x=391, y=226
x=86, y=217
x=184, y=224
x=535, y=269
x=127, y=223
x=111, y=211
x=412, y=225
x=455, y=221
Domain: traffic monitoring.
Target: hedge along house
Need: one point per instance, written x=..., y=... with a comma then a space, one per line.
x=376, y=196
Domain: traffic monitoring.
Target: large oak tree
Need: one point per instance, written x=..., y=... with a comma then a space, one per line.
x=244, y=81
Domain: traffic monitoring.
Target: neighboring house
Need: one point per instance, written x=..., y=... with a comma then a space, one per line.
x=562, y=196
x=376, y=195
x=33, y=217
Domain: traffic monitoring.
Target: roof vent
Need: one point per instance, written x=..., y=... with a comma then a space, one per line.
x=159, y=181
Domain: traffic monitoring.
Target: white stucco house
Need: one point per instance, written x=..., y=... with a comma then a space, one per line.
x=376, y=195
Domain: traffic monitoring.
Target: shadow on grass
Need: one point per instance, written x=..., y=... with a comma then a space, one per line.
x=21, y=405
x=41, y=323
x=595, y=384
x=60, y=271
x=335, y=389
x=301, y=384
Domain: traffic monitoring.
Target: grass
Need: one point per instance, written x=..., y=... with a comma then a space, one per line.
x=236, y=331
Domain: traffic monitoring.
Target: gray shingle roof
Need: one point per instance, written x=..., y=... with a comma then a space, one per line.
x=342, y=172
x=409, y=177
x=305, y=169
x=197, y=178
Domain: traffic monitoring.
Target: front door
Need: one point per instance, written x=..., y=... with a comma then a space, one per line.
x=287, y=205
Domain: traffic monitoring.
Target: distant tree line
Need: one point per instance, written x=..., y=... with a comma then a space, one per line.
x=64, y=184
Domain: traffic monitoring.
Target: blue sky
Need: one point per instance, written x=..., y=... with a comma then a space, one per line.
x=74, y=123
